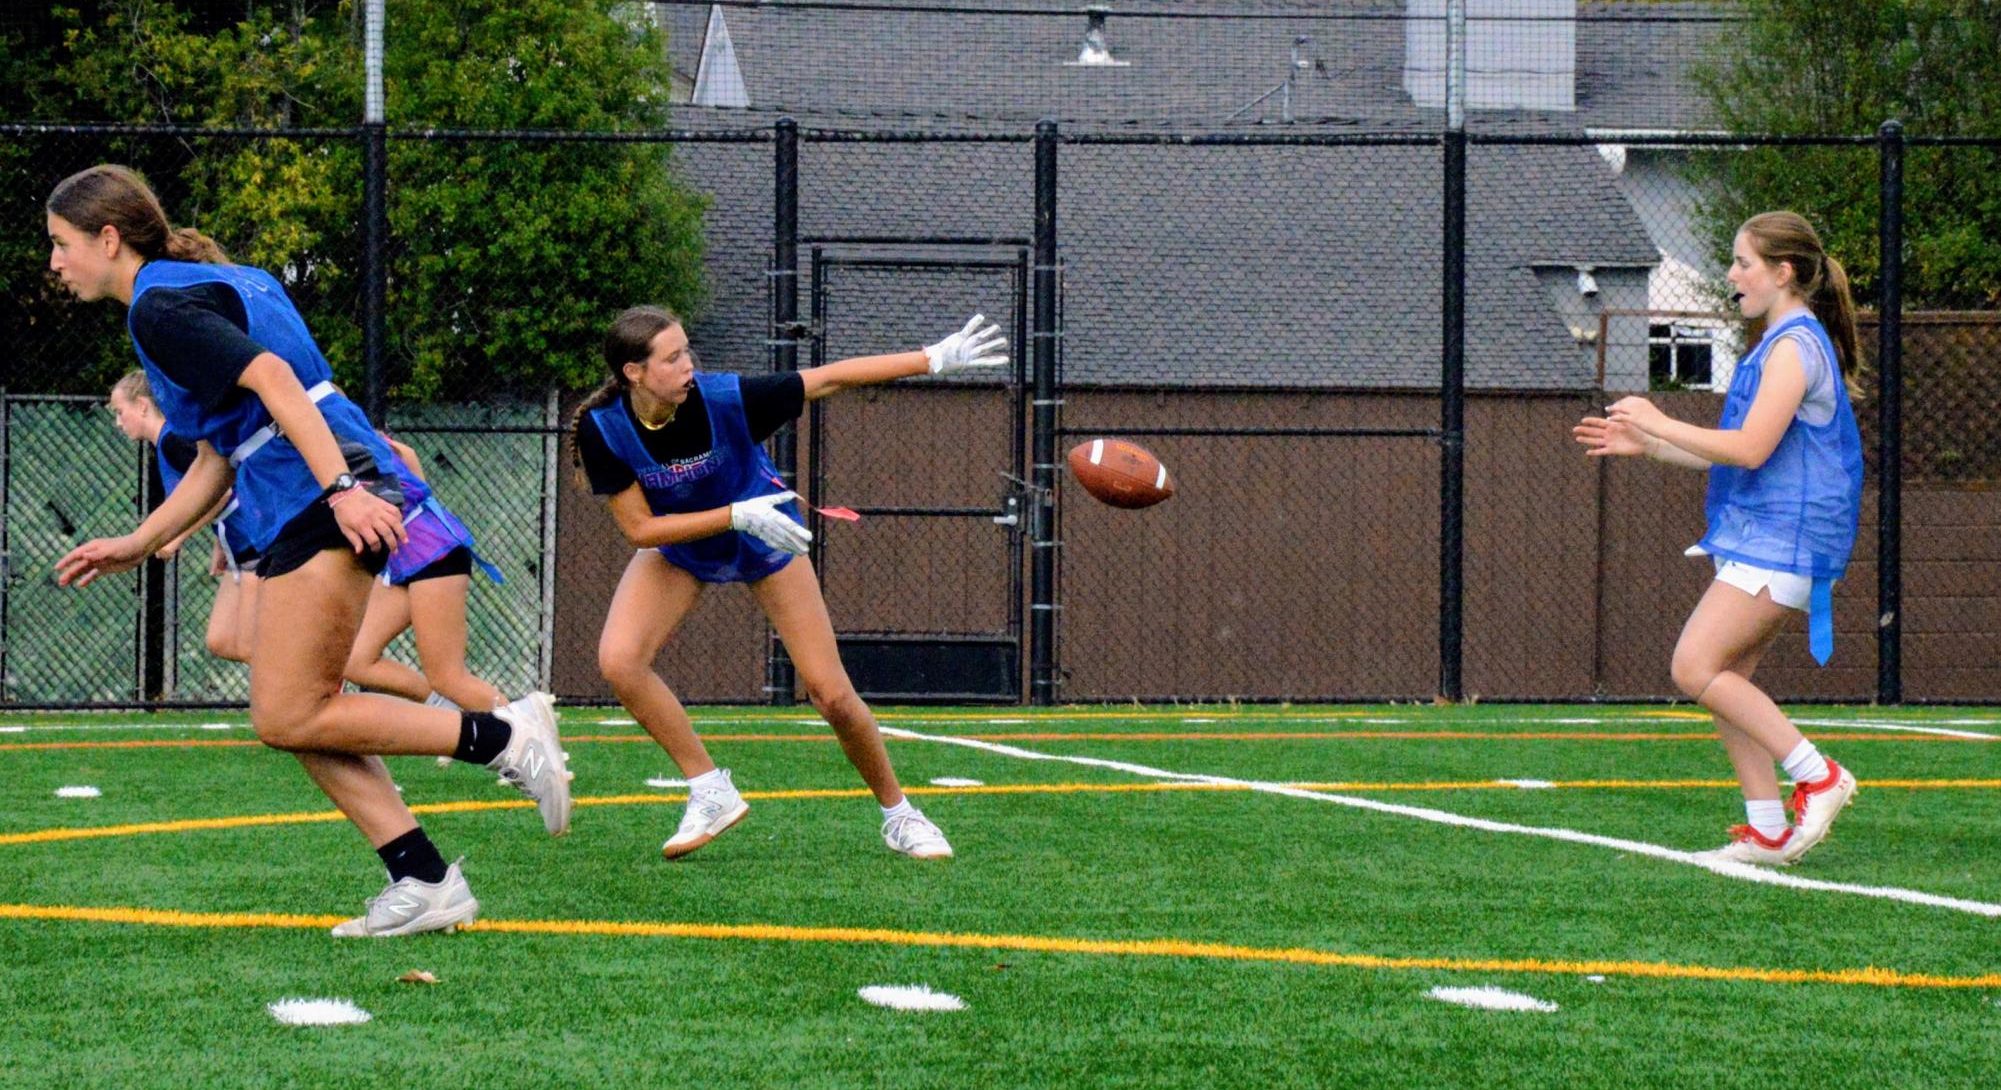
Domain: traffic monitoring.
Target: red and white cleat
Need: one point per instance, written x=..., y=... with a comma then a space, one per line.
x=1815, y=806
x=1748, y=845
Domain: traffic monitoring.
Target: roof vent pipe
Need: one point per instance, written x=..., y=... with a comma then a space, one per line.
x=1095, y=53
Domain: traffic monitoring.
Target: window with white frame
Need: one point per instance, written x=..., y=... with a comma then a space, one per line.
x=1681, y=357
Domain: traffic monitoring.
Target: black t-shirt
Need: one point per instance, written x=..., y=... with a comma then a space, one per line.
x=768, y=402
x=199, y=335
x=178, y=450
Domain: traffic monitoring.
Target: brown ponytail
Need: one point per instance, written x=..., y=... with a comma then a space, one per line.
x=188, y=244
x=1786, y=238
x=1834, y=304
x=109, y=195
x=629, y=340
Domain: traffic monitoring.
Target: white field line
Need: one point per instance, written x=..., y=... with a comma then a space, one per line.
x=1860, y=724
x=1741, y=871
x=1933, y=726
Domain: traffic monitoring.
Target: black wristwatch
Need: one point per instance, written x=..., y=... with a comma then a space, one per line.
x=340, y=484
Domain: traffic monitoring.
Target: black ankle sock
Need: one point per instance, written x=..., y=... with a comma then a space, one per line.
x=482, y=735
x=412, y=855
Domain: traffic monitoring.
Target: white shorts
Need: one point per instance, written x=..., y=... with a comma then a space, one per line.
x=1788, y=589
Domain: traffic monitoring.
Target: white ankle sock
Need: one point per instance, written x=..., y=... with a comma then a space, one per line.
x=714, y=777
x=1768, y=816
x=1805, y=764
x=899, y=809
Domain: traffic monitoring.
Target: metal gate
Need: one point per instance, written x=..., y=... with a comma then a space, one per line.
x=928, y=513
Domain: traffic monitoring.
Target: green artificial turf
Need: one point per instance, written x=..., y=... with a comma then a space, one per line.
x=149, y=1004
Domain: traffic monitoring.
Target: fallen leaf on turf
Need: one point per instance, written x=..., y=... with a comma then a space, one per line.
x=417, y=976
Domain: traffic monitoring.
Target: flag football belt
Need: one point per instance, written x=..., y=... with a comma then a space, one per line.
x=318, y=392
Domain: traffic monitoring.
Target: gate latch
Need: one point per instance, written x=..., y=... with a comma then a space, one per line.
x=1011, y=515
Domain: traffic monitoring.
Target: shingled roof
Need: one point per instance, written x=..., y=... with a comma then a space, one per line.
x=1234, y=266
x=1634, y=63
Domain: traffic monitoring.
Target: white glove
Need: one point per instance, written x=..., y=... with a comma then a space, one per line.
x=761, y=519
x=972, y=346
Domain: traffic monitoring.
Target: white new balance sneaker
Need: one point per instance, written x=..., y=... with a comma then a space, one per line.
x=914, y=835
x=534, y=762
x=1748, y=845
x=1816, y=805
x=409, y=907
x=711, y=811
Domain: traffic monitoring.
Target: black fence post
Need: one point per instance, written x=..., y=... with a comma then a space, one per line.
x=1452, y=421
x=783, y=286
x=153, y=611
x=374, y=274
x=1042, y=495
x=1890, y=418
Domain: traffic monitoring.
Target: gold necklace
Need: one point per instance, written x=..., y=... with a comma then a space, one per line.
x=671, y=410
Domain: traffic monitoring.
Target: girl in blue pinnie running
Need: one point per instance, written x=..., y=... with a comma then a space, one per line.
x=1785, y=496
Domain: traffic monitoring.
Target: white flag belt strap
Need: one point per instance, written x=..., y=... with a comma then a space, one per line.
x=318, y=392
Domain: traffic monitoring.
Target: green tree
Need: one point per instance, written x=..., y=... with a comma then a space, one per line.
x=507, y=258
x=1811, y=67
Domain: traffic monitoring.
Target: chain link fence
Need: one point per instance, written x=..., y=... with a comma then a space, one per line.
x=66, y=475
x=1236, y=253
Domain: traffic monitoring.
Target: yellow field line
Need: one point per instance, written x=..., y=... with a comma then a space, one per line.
x=1172, y=948
x=146, y=743
x=468, y=806
x=1099, y=736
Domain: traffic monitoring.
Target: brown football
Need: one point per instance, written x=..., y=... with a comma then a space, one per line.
x=1119, y=473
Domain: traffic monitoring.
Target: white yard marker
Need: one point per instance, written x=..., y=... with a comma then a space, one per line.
x=663, y=781
x=215, y=726
x=954, y=781
x=317, y=1012
x=618, y=722
x=911, y=997
x=83, y=791
x=1529, y=785
x=1490, y=998
x=1744, y=872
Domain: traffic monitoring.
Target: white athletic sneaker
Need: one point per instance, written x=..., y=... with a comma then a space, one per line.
x=410, y=906
x=711, y=810
x=1816, y=805
x=534, y=762
x=914, y=835
x=1748, y=845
